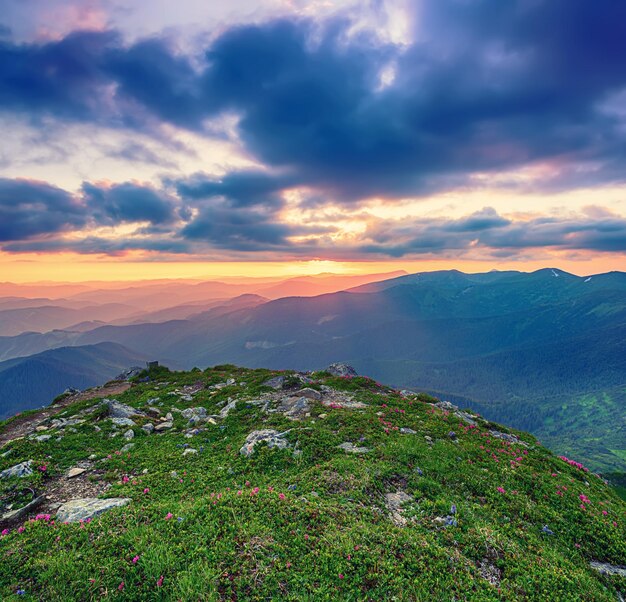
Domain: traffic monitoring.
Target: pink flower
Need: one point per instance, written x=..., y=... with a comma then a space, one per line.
x=168, y=516
x=288, y=565
x=125, y=479
x=121, y=586
x=340, y=576
x=160, y=581
x=20, y=530
x=135, y=560
x=240, y=492
x=604, y=512
x=281, y=496
x=146, y=490
x=4, y=533
x=501, y=490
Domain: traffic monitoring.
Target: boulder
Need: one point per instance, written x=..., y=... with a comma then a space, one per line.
x=278, y=382
x=195, y=415
x=310, y=394
x=75, y=472
x=271, y=437
x=405, y=430
x=148, y=428
x=295, y=408
x=84, y=508
x=130, y=373
x=19, y=470
x=120, y=410
x=129, y=434
x=608, y=569
x=339, y=369
x=353, y=449
x=163, y=426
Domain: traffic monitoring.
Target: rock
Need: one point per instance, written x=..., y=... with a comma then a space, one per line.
x=230, y=381
x=295, y=408
x=271, y=437
x=19, y=470
x=21, y=512
x=190, y=451
x=195, y=415
x=71, y=391
x=75, y=472
x=123, y=422
x=148, y=428
x=322, y=416
x=353, y=449
x=43, y=438
x=406, y=392
x=130, y=373
x=446, y=405
x=277, y=382
x=6, y=454
x=339, y=369
x=127, y=447
x=394, y=502
x=310, y=394
x=41, y=428
x=93, y=457
x=120, y=410
x=84, y=508
x=129, y=434
x=407, y=431
x=429, y=440
x=163, y=426
x=169, y=417
x=608, y=569
x=227, y=408
x=344, y=403
x=507, y=437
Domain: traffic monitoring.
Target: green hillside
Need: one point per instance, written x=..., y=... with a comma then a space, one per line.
x=354, y=491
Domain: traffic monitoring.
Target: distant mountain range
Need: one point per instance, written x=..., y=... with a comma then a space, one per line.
x=543, y=351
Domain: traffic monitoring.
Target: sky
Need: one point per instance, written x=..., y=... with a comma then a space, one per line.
x=192, y=138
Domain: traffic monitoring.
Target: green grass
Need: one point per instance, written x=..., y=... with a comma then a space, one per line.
x=317, y=527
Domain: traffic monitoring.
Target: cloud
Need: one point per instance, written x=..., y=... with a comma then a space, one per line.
x=30, y=208
x=487, y=86
x=128, y=202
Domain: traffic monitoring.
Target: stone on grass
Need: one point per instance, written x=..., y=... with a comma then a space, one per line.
x=75, y=472
x=394, y=502
x=339, y=369
x=19, y=470
x=295, y=408
x=271, y=437
x=608, y=569
x=120, y=410
x=163, y=426
x=190, y=451
x=123, y=422
x=84, y=508
x=276, y=383
x=148, y=428
x=353, y=449
x=407, y=431
x=310, y=394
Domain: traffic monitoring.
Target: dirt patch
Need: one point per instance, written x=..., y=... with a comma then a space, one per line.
x=24, y=425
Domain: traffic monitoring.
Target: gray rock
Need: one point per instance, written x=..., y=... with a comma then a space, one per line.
x=608, y=569
x=195, y=415
x=19, y=470
x=339, y=369
x=6, y=454
x=310, y=394
x=127, y=447
x=42, y=438
x=123, y=422
x=295, y=408
x=353, y=449
x=271, y=437
x=84, y=508
x=190, y=451
x=278, y=382
x=129, y=434
x=120, y=410
x=394, y=502
x=407, y=431
x=227, y=408
x=163, y=426
x=21, y=512
x=507, y=437
x=230, y=381
x=41, y=428
x=169, y=417
x=130, y=373
x=148, y=428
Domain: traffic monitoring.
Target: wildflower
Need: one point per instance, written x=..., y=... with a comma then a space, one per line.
x=160, y=581
x=604, y=512
x=453, y=509
x=288, y=565
x=20, y=592
x=135, y=560
x=240, y=492
x=146, y=490
x=281, y=496
x=4, y=533
x=168, y=516
x=341, y=576
x=501, y=490
x=547, y=530
x=20, y=530
x=121, y=586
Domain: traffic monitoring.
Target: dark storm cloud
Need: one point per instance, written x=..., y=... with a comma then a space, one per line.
x=29, y=208
x=487, y=86
x=128, y=203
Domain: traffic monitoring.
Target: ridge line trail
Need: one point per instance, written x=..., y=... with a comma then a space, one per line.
x=22, y=425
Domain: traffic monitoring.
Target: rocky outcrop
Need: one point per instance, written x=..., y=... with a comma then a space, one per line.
x=339, y=369
x=271, y=437
x=82, y=509
x=19, y=470
x=120, y=410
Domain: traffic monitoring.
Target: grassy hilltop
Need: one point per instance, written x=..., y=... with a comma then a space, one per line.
x=353, y=491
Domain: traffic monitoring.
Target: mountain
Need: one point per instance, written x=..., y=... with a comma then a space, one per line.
x=30, y=382
x=543, y=351
x=240, y=484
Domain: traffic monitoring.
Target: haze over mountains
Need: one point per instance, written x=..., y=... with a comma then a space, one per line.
x=542, y=351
